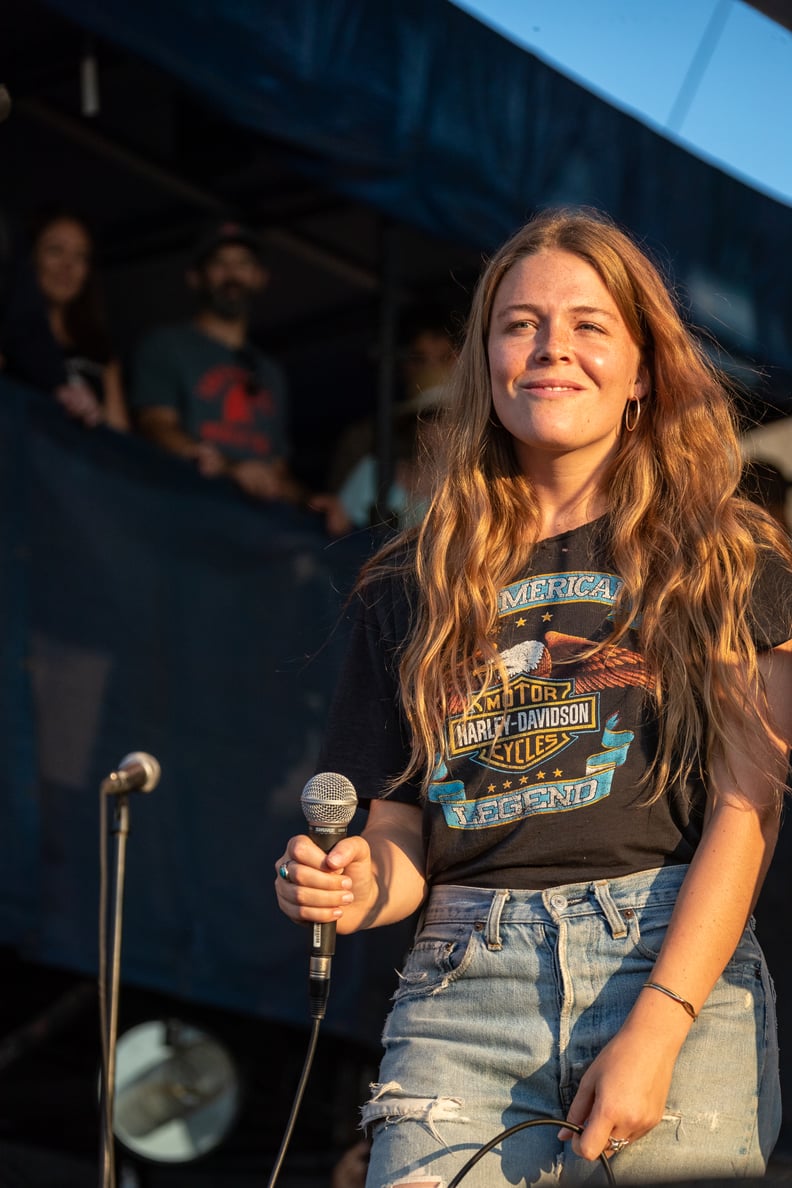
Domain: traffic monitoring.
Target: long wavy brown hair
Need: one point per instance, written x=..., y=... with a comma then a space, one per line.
x=684, y=544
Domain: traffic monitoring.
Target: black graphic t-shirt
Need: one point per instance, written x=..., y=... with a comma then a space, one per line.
x=540, y=786
x=235, y=400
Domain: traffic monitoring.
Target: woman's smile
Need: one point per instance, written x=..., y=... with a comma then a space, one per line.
x=563, y=364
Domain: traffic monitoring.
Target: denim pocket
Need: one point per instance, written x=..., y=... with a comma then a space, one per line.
x=647, y=928
x=440, y=955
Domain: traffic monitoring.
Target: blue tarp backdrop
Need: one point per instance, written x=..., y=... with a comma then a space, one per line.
x=147, y=609
x=416, y=108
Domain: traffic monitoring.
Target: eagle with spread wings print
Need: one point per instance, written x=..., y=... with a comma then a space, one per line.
x=610, y=668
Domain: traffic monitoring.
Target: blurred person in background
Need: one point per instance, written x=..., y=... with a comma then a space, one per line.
x=426, y=364
x=203, y=391
x=415, y=441
x=27, y=349
x=28, y=352
x=63, y=265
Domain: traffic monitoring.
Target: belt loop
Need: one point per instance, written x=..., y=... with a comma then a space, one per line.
x=493, y=919
x=612, y=914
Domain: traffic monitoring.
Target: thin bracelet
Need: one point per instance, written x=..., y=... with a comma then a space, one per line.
x=683, y=1002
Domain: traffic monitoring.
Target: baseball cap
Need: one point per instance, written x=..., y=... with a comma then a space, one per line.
x=221, y=234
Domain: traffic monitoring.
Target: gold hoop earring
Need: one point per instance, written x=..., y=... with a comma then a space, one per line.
x=636, y=404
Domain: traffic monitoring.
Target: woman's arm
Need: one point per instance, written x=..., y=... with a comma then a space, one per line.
x=371, y=879
x=624, y=1091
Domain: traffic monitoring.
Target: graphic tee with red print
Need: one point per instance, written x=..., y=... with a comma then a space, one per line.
x=234, y=400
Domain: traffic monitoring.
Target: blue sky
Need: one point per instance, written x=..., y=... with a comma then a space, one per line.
x=714, y=75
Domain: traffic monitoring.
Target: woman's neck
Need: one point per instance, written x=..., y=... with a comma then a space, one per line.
x=57, y=323
x=566, y=518
x=564, y=506
x=569, y=493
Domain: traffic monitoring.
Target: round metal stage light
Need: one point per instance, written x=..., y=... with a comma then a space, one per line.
x=177, y=1091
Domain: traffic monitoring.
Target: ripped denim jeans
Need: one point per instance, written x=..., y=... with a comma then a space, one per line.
x=507, y=997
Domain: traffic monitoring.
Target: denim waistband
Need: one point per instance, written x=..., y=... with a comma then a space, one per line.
x=608, y=896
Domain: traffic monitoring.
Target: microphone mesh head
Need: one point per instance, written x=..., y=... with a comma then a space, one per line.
x=149, y=764
x=329, y=799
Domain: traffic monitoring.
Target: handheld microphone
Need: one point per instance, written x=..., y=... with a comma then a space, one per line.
x=328, y=802
x=137, y=772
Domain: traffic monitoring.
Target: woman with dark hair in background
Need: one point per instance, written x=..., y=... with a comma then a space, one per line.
x=62, y=256
x=568, y=703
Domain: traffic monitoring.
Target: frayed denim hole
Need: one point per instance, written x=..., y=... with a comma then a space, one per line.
x=433, y=964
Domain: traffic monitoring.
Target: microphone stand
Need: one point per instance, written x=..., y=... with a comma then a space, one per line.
x=108, y=995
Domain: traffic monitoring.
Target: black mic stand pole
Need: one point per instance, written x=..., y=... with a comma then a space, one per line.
x=109, y=994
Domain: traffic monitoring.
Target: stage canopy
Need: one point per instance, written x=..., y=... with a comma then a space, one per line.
x=415, y=109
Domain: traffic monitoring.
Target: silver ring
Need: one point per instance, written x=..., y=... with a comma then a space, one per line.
x=283, y=870
x=615, y=1144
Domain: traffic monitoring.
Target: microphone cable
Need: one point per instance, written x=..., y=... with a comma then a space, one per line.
x=298, y=1096
x=471, y=1163
x=504, y=1134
